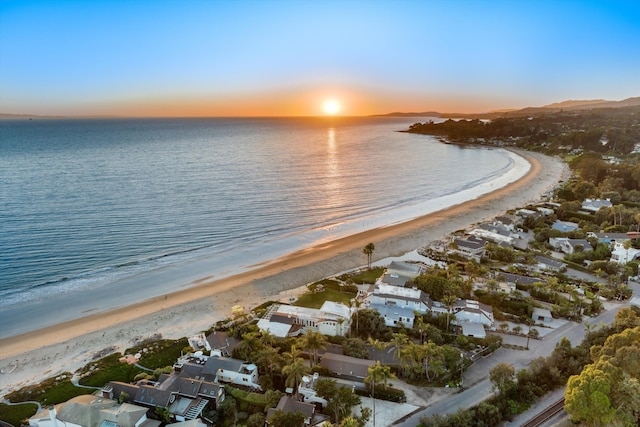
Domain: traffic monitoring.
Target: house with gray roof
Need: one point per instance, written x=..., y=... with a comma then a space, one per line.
x=347, y=366
x=550, y=264
x=398, y=304
x=610, y=238
x=471, y=247
x=570, y=246
x=594, y=205
x=564, y=226
x=400, y=273
x=290, y=405
x=92, y=411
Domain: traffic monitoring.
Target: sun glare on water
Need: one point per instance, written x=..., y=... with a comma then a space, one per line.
x=331, y=107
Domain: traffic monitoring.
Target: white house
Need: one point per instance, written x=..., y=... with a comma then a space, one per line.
x=472, y=311
x=471, y=247
x=621, y=255
x=332, y=319
x=569, y=246
x=233, y=371
x=397, y=305
x=92, y=411
x=307, y=389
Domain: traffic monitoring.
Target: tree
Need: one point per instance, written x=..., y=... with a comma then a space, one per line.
x=281, y=418
x=368, y=251
x=295, y=370
x=314, y=341
x=587, y=397
x=339, y=399
x=378, y=374
x=502, y=376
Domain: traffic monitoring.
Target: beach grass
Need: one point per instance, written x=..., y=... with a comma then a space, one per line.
x=109, y=368
x=49, y=392
x=367, y=276
x=160, y=353
x=15, y=414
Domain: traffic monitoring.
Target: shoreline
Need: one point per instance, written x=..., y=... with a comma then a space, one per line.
x=30, y=357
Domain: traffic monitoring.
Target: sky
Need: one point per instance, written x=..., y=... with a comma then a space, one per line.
x=287, y=58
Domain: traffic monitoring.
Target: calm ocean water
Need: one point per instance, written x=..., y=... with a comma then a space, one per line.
x=88, y=202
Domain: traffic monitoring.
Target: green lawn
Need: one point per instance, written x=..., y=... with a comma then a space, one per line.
x=110, y=369
x=159, y=353
x=315, y=300
x=16, y=414
x=367, y=276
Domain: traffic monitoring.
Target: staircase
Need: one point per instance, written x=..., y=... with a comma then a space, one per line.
x=195, y=410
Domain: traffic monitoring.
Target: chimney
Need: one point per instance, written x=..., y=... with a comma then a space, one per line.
x=52, y=415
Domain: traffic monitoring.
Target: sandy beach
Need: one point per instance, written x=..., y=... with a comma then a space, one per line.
x=39, y=354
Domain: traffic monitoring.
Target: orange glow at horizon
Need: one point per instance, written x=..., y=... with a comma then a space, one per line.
x=331, y=107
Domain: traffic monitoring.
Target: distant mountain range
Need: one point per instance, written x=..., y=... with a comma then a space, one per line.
x=571, y=105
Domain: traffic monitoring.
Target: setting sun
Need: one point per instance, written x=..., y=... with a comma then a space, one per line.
x=331, y=107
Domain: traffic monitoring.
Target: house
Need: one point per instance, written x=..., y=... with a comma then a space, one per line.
x=564, y=226
x=610, y=238
x=232, y=371
x=471, y=311
x=541, y=315
x=222, y=342
x=475, y=330
x=400, y=273
x=289, y=404
x=545, y=211
x=594, y=205
x=346, y=366
x=623, y=255
x=185, y=397
x=332, y=319
x=199, y=342
x=471, y=247
x=397, y=305
x=307, y=389
x=570, y=246
x=493, y=235
x=92, y=411
x=549, y=264
x=526, y=213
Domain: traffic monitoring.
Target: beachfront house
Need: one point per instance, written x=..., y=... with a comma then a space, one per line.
x=92, y=411
x=471, y=247
x=400, y=273
x=194, y=384
x=332, y=319
x=398, y=305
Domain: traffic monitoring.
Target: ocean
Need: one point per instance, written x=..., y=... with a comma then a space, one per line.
x=86, y=202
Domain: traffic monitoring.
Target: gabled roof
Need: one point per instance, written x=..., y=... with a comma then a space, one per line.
x=471, y=242
x=346, y=365
x=214, y=363
x=550, y=262
x=405, y=268
x=221, y=340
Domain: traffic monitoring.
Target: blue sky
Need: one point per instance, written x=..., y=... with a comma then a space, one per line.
x=235, y=58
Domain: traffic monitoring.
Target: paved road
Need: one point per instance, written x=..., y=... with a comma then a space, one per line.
x=477, y=376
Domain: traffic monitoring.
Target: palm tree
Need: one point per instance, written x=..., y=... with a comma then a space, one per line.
x=314, y=341
x=399, y=341
x=378, y=345
x=381, y=375
x=448, y=300
x=294, y=373
x=368, y=251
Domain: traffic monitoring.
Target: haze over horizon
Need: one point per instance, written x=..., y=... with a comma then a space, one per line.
x=288, y=58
